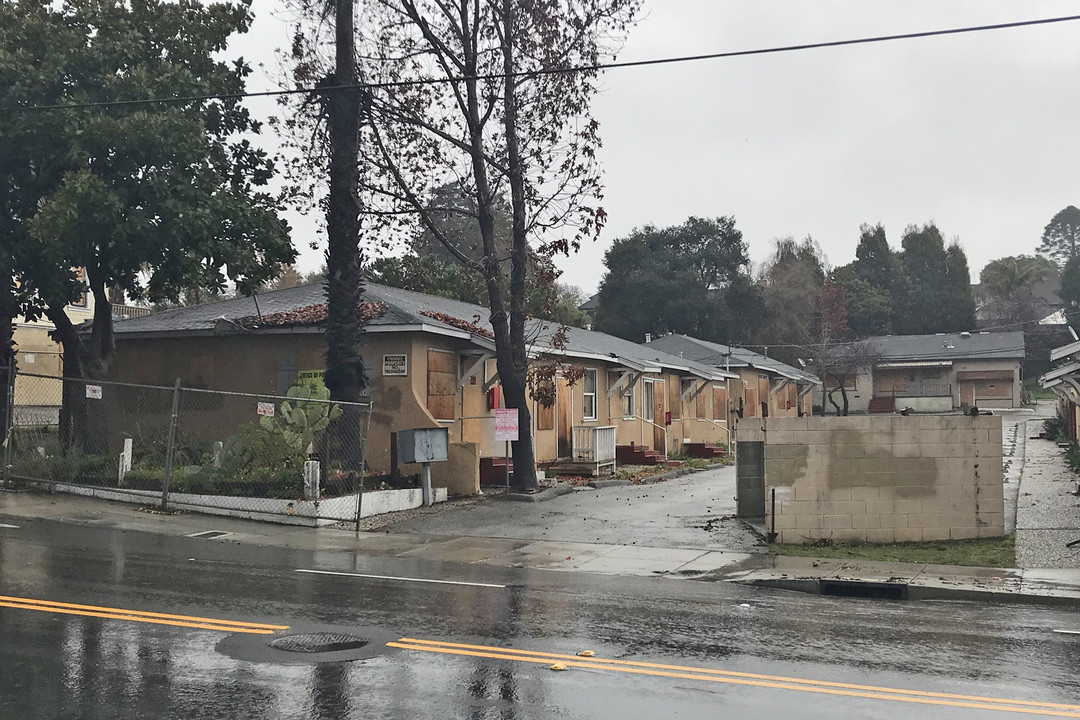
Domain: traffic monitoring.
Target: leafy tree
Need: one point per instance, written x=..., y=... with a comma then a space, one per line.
x=959, y=304
x=566, y=309
x=502, y=119
x=875, y=261
x=675, y=279
x=1061, y=236
x=1007, y=287
x=148, y=199
x=144, y=199
x=869, y=306
x=934, y=294
x=793, y=279
x=1070, y=283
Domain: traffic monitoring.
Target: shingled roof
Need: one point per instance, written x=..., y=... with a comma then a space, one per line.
x=949, y=346
x=396, y=310
x=719, y=355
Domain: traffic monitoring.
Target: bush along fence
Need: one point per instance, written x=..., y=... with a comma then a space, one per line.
x=295, y=458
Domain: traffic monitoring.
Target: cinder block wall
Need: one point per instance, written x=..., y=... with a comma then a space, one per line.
x=883, y=478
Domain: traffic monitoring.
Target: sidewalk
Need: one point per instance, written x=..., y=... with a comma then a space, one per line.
x=683, y=528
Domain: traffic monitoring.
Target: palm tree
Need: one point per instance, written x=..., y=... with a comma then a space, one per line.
x=345, y=376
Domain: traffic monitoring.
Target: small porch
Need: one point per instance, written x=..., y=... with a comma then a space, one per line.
x=592, y=452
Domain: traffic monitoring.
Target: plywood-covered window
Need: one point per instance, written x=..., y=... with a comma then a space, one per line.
x=441, y=383
x=701, y=405
x=719, y=402
x=545, y=417
x=750, y=404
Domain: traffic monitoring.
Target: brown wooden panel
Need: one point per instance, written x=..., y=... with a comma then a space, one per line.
x=545, y=417
x=441, y=406
x=719, y=403
x=564, y=399
x=674, y=399
x=750, y=403
x=701, y=403
x=442, y=384
x=441, y=362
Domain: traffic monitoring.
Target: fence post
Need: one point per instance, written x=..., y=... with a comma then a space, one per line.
x=9, y=418
x=363, y=459
x=169, y=446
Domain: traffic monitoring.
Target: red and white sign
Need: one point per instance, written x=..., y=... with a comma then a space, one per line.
x=266, y=409
x=506, y=424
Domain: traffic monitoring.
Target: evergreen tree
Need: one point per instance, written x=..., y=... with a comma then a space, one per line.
x=1061, y=236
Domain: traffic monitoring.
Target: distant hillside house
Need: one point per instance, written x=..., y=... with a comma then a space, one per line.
x=938, y=373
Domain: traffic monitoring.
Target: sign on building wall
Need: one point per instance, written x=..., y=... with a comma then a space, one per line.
x=395, y=365
x=506, y=424
x=310, y=378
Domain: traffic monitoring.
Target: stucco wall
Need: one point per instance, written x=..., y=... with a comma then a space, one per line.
x=997, y=397
x=882, y=478
x=268, y=364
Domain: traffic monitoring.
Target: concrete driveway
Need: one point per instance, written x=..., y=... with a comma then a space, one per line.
x=693, y=511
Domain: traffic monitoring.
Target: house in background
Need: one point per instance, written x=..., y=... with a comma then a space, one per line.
x=38, y=400
x=937, y=373
x=764, y=387
x=431, y=363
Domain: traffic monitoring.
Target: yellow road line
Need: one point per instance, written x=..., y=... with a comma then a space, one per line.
x=689, y=673
x=139, y=616
x=751, y=676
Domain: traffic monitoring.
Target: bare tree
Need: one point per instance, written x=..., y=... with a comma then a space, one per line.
x=837, y=364
x=492, y=98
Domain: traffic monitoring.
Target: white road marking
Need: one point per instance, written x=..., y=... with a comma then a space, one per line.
x=1068, y=632
x=13, y=527
x=403, y=579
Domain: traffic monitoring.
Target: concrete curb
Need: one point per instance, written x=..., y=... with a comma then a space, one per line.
x=548, y=494
x=915, y=592
x=601, y=484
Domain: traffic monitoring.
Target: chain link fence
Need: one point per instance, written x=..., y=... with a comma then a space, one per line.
x=300, y=455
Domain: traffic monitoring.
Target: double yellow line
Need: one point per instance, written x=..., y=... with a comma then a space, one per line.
x=187, y=621
x=871, y=692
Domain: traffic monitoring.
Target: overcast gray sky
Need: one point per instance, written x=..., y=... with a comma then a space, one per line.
x=977, y=133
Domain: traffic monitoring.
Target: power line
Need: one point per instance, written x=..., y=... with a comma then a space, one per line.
x=552, y=71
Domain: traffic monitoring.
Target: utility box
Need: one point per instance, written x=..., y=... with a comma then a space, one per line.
x=423, y=445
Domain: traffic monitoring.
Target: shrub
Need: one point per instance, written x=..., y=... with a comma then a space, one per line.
x=1055, y=427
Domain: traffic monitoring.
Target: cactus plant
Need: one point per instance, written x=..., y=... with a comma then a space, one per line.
x=303, y=416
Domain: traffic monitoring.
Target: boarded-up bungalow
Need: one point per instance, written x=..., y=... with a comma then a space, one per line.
x=431, y=363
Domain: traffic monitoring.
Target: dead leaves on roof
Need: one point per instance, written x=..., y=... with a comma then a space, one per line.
x=459, y=323
x=309, y=315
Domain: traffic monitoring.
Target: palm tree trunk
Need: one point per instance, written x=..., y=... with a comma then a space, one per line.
x=345, y=376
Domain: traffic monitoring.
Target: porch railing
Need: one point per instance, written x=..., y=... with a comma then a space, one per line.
x=594, y=444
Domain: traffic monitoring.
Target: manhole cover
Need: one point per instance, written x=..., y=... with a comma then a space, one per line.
x=317, y=642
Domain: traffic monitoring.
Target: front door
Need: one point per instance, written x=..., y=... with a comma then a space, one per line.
x=967, y=394
x=563, y=418
x=659, y=435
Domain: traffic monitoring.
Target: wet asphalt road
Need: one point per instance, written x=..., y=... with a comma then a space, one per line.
x=55, y=665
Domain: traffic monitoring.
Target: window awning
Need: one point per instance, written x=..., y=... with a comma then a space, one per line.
x=985, y=375
x=913, y=364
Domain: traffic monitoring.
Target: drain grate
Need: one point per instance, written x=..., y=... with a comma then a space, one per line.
x=209, y=534
x=317, y=642
x=856, y=589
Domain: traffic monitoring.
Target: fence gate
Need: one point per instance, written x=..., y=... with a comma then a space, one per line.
x=299, y=455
